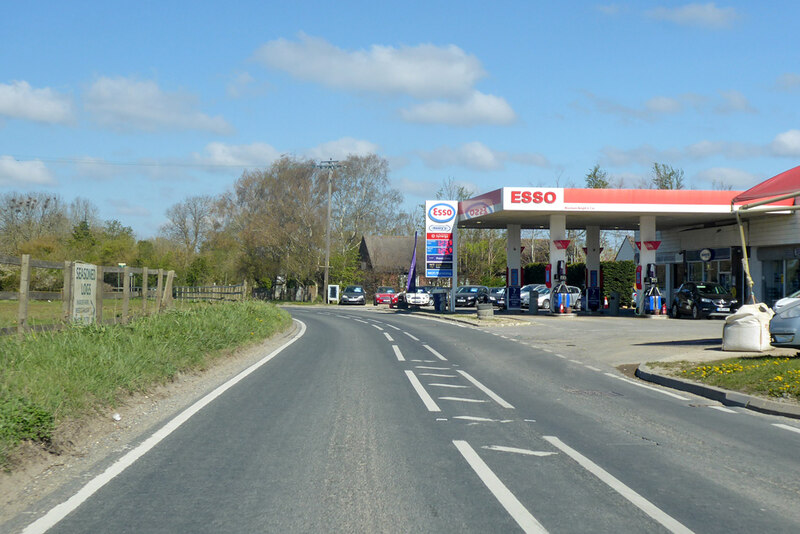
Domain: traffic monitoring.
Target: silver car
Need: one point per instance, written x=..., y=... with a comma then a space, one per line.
x=784, y=328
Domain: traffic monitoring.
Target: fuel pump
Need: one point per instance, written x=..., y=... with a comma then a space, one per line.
x=652, y=295
x=560, y=302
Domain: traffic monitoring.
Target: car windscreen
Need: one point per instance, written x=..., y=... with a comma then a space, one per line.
x=354, y=289
x=467, y=290
x=386, y=290
x=711, y=289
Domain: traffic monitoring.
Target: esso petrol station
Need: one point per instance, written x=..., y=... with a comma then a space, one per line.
x=674, y=230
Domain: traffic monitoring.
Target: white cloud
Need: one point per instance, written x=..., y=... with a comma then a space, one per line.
x=789, y=81
x=787, y=144
x=734, y=102
x=422, y=71
x=663, y=104
x=125, y=103
x=24, y=173
x=477, y=156
x=19, y=100
x=478, y=108
x=341, y=148
x=252, y=155
x=726, y=176
x=699, y=15
x=647, y=154
x=124, y=207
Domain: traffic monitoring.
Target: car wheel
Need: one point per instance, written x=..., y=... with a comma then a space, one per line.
x=675, y=312
x=695, y=312
x=546, y=304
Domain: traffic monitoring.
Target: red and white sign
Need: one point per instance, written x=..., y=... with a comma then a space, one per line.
x=533, y=198
x=652, y=245
x=561, y=244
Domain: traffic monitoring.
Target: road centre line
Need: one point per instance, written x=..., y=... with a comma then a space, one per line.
x=437, y=375
x=495, y=397
x=390, y=338
x=392, y=326
x=577, y=361
x=593, y=368
x=360, y=321
x=475, y=419
x=378, y=327
x=723, y=409
x=561, y=356
x=397, y=353
x=640, y=502
x=411, y=336
x=429, y=403
x=462, y=399
x=787, y=427
x=631, y=382
x=60, y=511
x=435, y=353
x=432, y=368
x=500, y=448
x=458, y=386
x=507, y=500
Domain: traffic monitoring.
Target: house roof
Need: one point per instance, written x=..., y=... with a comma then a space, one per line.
x=390, y=253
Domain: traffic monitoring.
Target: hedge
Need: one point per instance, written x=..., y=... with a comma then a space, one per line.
x=617, y=276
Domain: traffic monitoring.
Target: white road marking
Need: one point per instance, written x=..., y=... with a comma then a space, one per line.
x=432, y=368
x=360, y=321
x=495, y=397
x=460, y=399
x=435, y=353
x=518, y=512
x=640, y=502
x=390, y=338
x=477, y=419
x=561, y=356
x=577, y=361
x=500, y=448
x=59, y=512
x=392, y=326
x=593, y=368
x=441, y=418
x=378, y=327
x=397, y=353
x=457, y=386
x=430, y=404
x=723, y=409
x=424, y=361
x=438, y=375
x=411, y=336
x=668, y=393
x=546, y=350
x=529, y=420
x=787, y=427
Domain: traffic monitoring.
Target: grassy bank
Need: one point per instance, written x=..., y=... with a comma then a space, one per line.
x=774, y=377
x=48, y=377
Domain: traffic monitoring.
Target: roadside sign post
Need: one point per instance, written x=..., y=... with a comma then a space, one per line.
x=441, y=242
x=84, y=293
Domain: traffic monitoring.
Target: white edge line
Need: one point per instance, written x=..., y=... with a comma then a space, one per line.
x=787, y=427
x=60, y=511
x=430, y=404
x=397, y=353
x=516, y=510
x=495, y=397
x=645, y=386
x=640, y=502
x=433, y=351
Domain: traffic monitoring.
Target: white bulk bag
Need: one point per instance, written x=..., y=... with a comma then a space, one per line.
x=747, y=329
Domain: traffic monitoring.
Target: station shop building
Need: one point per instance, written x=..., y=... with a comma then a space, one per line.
x=684, y=235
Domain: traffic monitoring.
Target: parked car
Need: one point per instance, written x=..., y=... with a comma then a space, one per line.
x=472, y=295
x=384, y=295
x=418, y=297
x=353, y=295
x=784, y=328
x=702, y=299
x=785, y=301
x=497, y=296
x=525, y=293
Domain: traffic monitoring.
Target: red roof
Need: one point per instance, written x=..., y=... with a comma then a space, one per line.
x=782, y=184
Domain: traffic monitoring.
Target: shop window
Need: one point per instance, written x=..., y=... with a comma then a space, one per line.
x=792, y=276
x=695, y=271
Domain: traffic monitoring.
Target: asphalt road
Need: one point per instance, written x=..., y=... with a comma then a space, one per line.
x=373, y=422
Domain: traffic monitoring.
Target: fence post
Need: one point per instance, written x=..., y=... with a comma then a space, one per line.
x=126, y=294
x=159, y=290
x=24, y=287
x=167, y=301
x=244, y=290
x=145, y=274
x=66, y=294
x=98, y=296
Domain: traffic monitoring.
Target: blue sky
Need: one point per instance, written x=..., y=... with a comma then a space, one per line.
x=138, y=105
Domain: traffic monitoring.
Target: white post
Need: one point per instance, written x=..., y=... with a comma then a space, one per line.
x=558, y=231
x=647, y=232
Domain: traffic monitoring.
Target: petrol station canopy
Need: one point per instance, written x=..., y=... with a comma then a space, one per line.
x=610, y=209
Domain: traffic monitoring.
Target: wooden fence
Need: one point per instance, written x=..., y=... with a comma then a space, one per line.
x=237, y=292
x=163, y=291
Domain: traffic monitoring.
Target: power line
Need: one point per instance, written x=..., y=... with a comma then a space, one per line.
x=79, y=161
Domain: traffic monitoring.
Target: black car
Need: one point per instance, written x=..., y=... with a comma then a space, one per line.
x=497, y=296
x=702, y=299
x=353, y=295
x=472, y=295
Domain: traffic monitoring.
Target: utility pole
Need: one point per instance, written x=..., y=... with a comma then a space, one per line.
x=330, y=165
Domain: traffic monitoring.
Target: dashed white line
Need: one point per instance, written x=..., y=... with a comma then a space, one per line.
x=787, y=427
x=390, y=338
x=378, y=327
x=561, y=356
x=577, y=361
x=461, y=399
x=643, y=504
x=723, y=409
x=360, y=321
x=411, y=336
x=397, y=353
x=433, y=351
x=495, y=397
x=429, y=403
x=500, y=448
x=392, y=326
x=455, y=386
x=518, y=512
x=593, y=368
x=438, y=375
x=631, y=382
x=432, y=368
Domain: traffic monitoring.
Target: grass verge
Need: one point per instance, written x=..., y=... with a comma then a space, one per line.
x=774, y=377
x=49, y=377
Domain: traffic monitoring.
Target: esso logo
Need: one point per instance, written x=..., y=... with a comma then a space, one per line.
x=441, y=213
x=533, y=197
x=478, y=209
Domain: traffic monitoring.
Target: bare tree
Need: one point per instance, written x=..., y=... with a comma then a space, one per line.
x=29, y=216
x=189, y=222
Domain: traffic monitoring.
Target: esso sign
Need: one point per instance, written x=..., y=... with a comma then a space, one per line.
x=441, y=213
x=476, y=210
x=533, y=197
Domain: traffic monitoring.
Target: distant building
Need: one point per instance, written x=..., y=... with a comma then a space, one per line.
x=385, y=260
x=627, y=250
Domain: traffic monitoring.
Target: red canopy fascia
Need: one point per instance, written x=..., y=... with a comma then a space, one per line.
x=783, y=184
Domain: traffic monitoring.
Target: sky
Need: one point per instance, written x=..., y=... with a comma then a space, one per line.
x=137, y=106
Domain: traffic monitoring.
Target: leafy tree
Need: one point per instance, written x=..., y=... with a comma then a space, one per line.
x=597, y=178
x=666, y=177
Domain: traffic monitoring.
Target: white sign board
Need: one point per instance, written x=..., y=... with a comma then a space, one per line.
x=84, y=292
